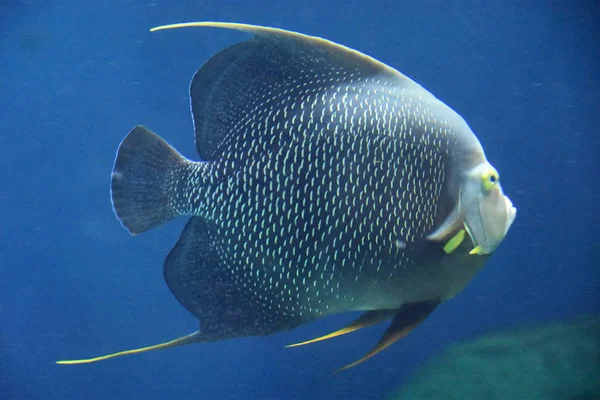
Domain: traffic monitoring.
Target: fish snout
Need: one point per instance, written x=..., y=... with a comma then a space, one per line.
x=511, y=213
x=490, y=224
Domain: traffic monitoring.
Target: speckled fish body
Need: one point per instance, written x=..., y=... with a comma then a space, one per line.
x=329, y=182
x=323, y=177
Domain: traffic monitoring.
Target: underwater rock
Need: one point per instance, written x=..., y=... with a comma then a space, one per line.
x=554, y=361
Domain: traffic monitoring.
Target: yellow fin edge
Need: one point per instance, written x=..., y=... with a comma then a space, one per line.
x=266, y=31
x=230, y=25
x=329, y=336
x=367, y=319
x=477, y=250
x=176, y=342
x=378, y=349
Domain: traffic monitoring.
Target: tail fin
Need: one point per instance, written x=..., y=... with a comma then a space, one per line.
x=189, y=339
x=142, y=181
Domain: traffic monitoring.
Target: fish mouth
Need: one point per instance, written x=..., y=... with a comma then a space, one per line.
x=511, y=213
x=487, y=226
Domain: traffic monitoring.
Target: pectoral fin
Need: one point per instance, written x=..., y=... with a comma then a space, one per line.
x=454, y=242
x=367, y=319
x=406, y=319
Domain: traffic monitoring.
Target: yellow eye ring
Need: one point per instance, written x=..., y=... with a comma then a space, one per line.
x=489, y=179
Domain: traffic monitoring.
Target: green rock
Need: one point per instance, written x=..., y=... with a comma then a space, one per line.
x=554, y=361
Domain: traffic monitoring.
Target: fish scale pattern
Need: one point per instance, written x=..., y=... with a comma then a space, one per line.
x=321, y=190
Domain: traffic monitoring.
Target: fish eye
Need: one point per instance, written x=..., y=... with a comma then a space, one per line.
x=489, y=180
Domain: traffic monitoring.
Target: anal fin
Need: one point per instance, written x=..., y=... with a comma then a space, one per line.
x=407, y=318
x=197, y=273
x=367, y=319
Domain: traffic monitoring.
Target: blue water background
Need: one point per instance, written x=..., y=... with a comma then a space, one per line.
x=76, y=76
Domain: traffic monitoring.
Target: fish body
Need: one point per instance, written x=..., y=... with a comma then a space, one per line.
x=328, y=182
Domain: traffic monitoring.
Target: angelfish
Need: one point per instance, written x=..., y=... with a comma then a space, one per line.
x=329, y=183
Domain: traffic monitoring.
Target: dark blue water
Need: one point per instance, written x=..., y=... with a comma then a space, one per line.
x=76, y=76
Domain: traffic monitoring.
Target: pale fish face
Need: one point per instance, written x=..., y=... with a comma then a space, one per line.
x=488, y=213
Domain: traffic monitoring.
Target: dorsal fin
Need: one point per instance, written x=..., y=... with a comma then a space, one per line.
x=238, y=82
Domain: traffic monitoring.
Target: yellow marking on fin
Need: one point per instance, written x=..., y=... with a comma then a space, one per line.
x=265, y=31
x=367, y=319
x=454, y=242
x=407, y=318
x=477, y=250
x=370, y=354
x=176, y=342
x=340, y=332
x=386, y=342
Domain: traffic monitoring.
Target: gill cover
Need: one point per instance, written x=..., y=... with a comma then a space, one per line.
x=488, y=213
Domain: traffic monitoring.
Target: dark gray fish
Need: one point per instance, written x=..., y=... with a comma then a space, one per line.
x=330, y=182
